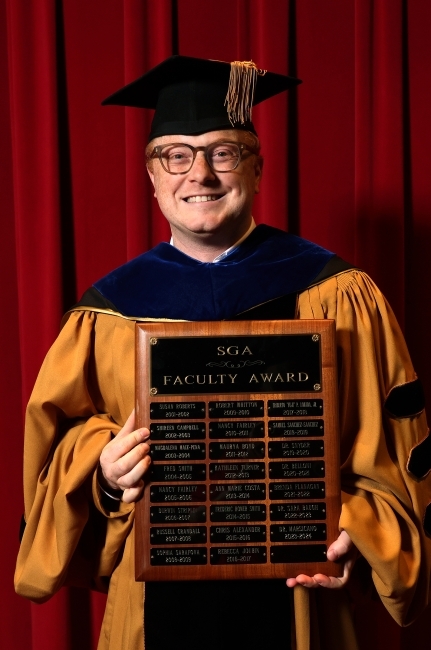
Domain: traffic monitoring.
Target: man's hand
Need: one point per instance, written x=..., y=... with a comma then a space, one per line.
x=125, y=460
x=343, y=549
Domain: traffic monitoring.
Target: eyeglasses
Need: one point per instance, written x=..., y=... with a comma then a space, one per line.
x=178, y=158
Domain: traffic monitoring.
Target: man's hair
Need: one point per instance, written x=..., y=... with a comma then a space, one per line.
x=250, y=138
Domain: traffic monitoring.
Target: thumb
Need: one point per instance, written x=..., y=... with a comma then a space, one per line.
x=340, y=547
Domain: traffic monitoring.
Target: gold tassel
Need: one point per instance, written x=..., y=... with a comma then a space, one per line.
x=240, y=92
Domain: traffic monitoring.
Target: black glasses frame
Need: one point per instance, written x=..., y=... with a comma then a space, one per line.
x=157, y=153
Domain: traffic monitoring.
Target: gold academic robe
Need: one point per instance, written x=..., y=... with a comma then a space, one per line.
x=85, y=391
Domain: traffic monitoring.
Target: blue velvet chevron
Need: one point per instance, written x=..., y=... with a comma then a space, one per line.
x=166, y=283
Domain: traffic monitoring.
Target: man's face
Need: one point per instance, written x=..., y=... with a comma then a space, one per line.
x=228, y=212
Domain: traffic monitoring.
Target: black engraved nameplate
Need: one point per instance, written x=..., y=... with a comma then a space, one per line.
x=295, y=408
x=296, y=554
x=238, y=533
x=181, y=431
x=229, y=430
x=172, y=493
x=244, y=481
x=295, y=428
x=168, y=473
x=293, y=490
x=238, y=512
x=238, y=409
x=296, y=449
x=297, y=511
x=238, y=555
x=178, y=556
x=298, y=532
x=297, y=469
x=178, y=535
x=236, y=471
x=237, y=492
x=236, y=450
x=177, y=410
x=178, y=451
x=177, y=514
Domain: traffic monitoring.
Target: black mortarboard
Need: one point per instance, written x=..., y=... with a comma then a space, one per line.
x=192, y=96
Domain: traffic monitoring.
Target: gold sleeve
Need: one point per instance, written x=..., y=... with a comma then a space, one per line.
x=84, y=393
x=383, y=505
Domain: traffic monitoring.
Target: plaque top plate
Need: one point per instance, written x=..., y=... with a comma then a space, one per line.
x=280, y=363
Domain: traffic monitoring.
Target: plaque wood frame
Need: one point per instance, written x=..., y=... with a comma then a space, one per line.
x=310, y=522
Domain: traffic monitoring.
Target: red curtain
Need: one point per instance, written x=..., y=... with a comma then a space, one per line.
x=348, y=159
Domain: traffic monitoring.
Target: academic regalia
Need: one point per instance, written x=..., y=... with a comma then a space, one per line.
x=85, y=391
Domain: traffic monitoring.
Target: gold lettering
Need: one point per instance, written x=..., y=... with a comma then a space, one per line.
x=290, y=376
x=232, y=378
x=253, y=378
x=266, y=376
x=279, y=378
x=188, y=377
x=178, y=381
x=234, y=348
x=305, y=377
x=247, y=350
x=220, y=350
x=166, y=379
x=200, y=382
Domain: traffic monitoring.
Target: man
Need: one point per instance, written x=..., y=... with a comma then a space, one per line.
x=85, y=461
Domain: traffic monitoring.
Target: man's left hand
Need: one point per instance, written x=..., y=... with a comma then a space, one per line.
x=342, y=549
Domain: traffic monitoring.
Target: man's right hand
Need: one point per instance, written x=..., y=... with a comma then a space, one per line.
x=125, y=460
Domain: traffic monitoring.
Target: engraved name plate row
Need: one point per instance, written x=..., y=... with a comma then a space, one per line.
x=244, y=480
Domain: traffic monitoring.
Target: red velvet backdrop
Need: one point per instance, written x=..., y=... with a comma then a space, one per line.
x=347, y=165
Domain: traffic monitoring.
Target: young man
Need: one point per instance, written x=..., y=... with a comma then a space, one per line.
x=84, y=459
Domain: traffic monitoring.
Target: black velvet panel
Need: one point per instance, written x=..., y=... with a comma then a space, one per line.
x=93, y=298
x=333, y=267
x=427, y=520
x=406, y=401
x=419, y=462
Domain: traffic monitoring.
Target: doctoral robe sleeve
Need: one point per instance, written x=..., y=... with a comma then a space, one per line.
x=83, y=395
x=383, y=503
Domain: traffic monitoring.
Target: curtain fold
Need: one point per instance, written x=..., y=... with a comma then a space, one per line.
x=142, y=52
x=380, y=155
x=31, y=37
x=347, y=164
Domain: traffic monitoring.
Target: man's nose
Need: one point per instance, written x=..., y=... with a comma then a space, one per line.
x=200, y=170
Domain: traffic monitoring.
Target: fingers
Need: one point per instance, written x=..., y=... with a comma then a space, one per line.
x=130, y=495
x=330, y=582
x=126, y=458
x=318, y=580
x=305, y=581
x=344, y=549
x=132, y=478
x=125, y=464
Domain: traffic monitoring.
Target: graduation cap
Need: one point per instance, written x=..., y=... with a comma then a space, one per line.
x=192, y=96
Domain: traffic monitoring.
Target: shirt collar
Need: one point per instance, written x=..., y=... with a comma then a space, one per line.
x=230, y=250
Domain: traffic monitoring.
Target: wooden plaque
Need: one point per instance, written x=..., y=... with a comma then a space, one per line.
x=245, y=476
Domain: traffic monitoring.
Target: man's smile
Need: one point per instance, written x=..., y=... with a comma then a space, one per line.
x=202, y=198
